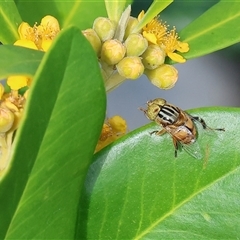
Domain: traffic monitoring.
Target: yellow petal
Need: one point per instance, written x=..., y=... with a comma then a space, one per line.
x=150, y=37
x=50, y=22
x=17, y=82
x=182, y=47
x=176, y=57
x=140, y=15
x=24, y=30
x=46, y=44
x=26, y=43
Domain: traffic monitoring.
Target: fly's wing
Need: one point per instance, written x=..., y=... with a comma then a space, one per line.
x=193, y=149
x=208, y=130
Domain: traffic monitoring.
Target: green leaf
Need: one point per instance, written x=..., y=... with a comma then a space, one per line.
x=9, y=21
x=116, y=8
x=40, y=194
x=137, y=189
x=18, y=60
x=156, y=7
x=216, y=29
x=79, y=13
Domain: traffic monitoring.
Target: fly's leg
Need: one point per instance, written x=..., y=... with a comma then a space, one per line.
x=203, y=123
x=175, y=143
x=161, y=132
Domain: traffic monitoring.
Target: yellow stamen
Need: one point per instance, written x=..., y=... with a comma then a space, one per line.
x=156, y=28
x=172, y=43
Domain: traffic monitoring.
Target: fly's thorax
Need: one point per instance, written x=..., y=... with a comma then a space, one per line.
x=168, y=114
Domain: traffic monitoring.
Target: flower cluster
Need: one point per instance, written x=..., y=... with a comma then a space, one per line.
x=12, y=104
x=11, y=109
x=127, y=53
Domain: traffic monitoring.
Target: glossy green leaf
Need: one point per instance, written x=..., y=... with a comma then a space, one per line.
x=80, y=13
x=156, y=7
x=9, y=21
x=137, y=189
x=217, y=28
x=18, y=60
x=40, y=194
x=116, y=8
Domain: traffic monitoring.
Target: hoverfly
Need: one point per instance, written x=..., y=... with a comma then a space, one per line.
x=178, y=123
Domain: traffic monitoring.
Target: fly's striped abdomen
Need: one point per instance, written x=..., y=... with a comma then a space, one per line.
x=169, y=114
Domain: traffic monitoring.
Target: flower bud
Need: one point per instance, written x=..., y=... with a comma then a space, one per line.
x=104, y=27
x=130, y=67
x=112, y=51
x=153, y=57
x=135, y=44
x=132, y=22
x=6, y=119
x=94, y=40
x=118, y=124
x=164, y=77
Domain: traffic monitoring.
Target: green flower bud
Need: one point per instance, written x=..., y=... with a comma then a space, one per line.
x=6, y=119
x=135, y=44
x=130, y=67
x=153, y=57
x=132, y=22
x=94, y=40
x=104, y=27
x=164, y=77
x=112, y=51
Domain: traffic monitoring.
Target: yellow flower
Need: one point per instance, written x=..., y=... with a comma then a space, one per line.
x=113, y=129
x=156, y=32
x=40, y=35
